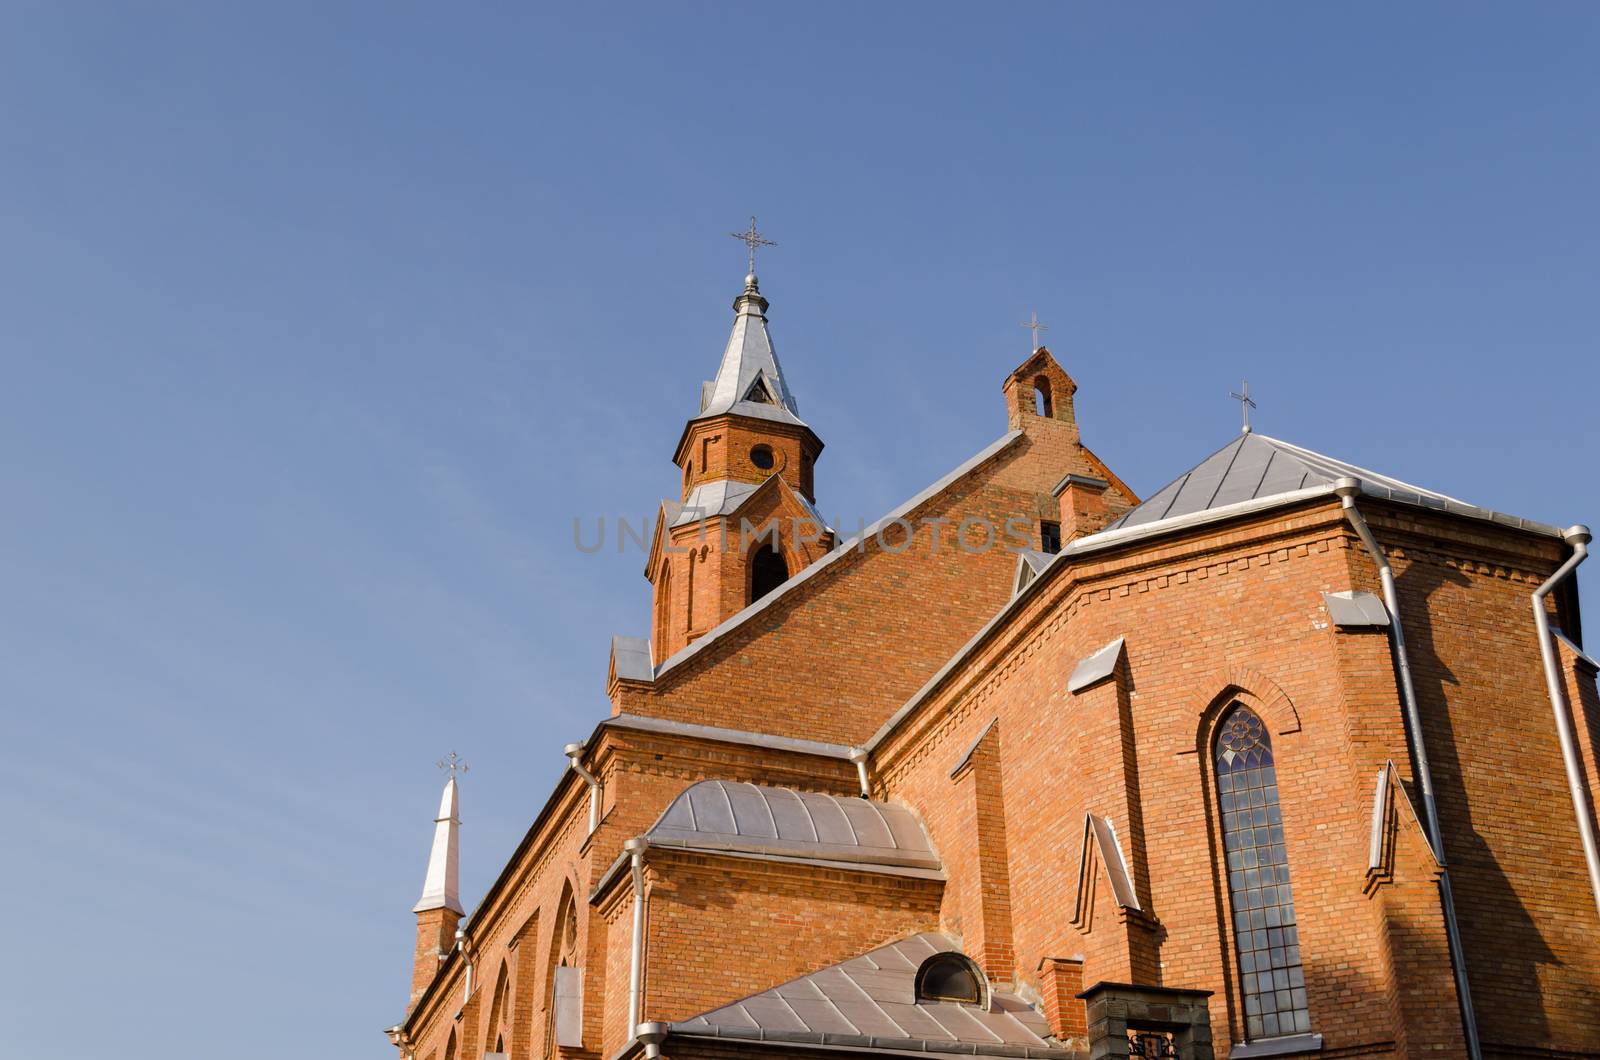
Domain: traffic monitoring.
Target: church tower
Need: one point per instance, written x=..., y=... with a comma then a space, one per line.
x=744, y=521
x=439, y=909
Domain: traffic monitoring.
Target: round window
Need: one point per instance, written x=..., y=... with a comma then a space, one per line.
x=761, y=456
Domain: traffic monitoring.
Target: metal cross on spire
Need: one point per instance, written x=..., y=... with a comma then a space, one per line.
x=752, y=239
x=1032, y=324
x=1245, y=404
x=453, y=764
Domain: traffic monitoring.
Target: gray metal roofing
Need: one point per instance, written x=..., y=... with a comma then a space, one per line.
x=870, y=1002
x=749, y=356
x=1253, y=466
x=631, y=658
x=737, y=817
x=713, y=498
x=725, y=496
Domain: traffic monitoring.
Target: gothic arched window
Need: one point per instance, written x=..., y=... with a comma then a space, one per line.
x=1264, y=930
x=768, y=570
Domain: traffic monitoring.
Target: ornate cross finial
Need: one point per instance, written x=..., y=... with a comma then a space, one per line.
x=1245, y=404
x=1033, y=325
x=453, y=764
x=752, y=239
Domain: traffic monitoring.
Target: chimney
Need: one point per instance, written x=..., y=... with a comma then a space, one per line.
x=439, y=910
x=1083, y=506
x=1060, y=981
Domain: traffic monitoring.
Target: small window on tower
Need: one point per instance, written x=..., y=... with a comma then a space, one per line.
x=761, y=456
x=1050, y=537
x=758, y=392
x=1042, y=404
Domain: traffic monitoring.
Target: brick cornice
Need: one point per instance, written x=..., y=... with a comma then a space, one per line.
x=1232, y=551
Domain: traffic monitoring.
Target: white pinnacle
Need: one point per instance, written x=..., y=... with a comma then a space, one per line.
x=442, y=887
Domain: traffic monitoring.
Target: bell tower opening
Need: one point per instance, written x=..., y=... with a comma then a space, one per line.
x=768, y=570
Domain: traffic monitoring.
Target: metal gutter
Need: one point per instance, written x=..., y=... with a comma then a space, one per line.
x=872, y=868
x=843, y=548
x=643, y=723
x=1580, y=537
x=1348, y=488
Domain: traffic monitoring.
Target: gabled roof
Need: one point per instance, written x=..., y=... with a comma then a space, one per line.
x=750, y=381
x=870, y=1002
x=841, y=549
x=726, y=497
x=1254, y=466
x=743, y=818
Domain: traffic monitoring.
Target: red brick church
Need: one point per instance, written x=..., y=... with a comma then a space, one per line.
x=1288, y=758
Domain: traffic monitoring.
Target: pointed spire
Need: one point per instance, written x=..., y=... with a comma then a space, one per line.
x=750, y=379
x=441, y=889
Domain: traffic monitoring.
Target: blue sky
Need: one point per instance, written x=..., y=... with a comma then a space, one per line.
x=321, y=322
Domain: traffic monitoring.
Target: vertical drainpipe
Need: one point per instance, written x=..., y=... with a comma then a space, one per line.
x=635, y=849
x=466, y=955
x=1579, y=537
x=574, y=753
x=1347, y=489
x=859, y=756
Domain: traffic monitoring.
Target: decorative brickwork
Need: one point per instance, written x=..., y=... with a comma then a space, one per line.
x=1082, y=837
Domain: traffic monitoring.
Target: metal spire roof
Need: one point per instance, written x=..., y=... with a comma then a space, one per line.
x=750, y=381
x=1253, y=466
x=441, y=889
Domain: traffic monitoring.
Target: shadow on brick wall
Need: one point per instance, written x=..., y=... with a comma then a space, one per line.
x=1504, y=945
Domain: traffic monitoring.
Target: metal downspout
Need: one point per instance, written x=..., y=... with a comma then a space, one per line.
x=859, y=756
x=635, y=848
x=1347, y=489
x=1579, y=537
x=574, y=753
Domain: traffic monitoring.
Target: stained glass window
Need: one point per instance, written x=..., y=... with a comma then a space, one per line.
x=1264, y=926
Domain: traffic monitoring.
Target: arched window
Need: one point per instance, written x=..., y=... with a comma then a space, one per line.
x=950, y=977
x=563, y=964
x=1042, y=405
x=495, y=1039
x=450, y=1047
x=1264, y=930
x=663, y=609
x=768, y=570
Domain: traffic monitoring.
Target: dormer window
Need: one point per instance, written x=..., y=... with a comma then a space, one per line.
x=950, y=977
x=759, y=393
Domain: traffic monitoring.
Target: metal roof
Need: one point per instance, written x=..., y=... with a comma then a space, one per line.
x=1351, y=609
x=870, y=1002
x=1254, y=466
x=743, y=818
x=630, y=657
x=712, y=498
x=1092, y=669
x=749, y=363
